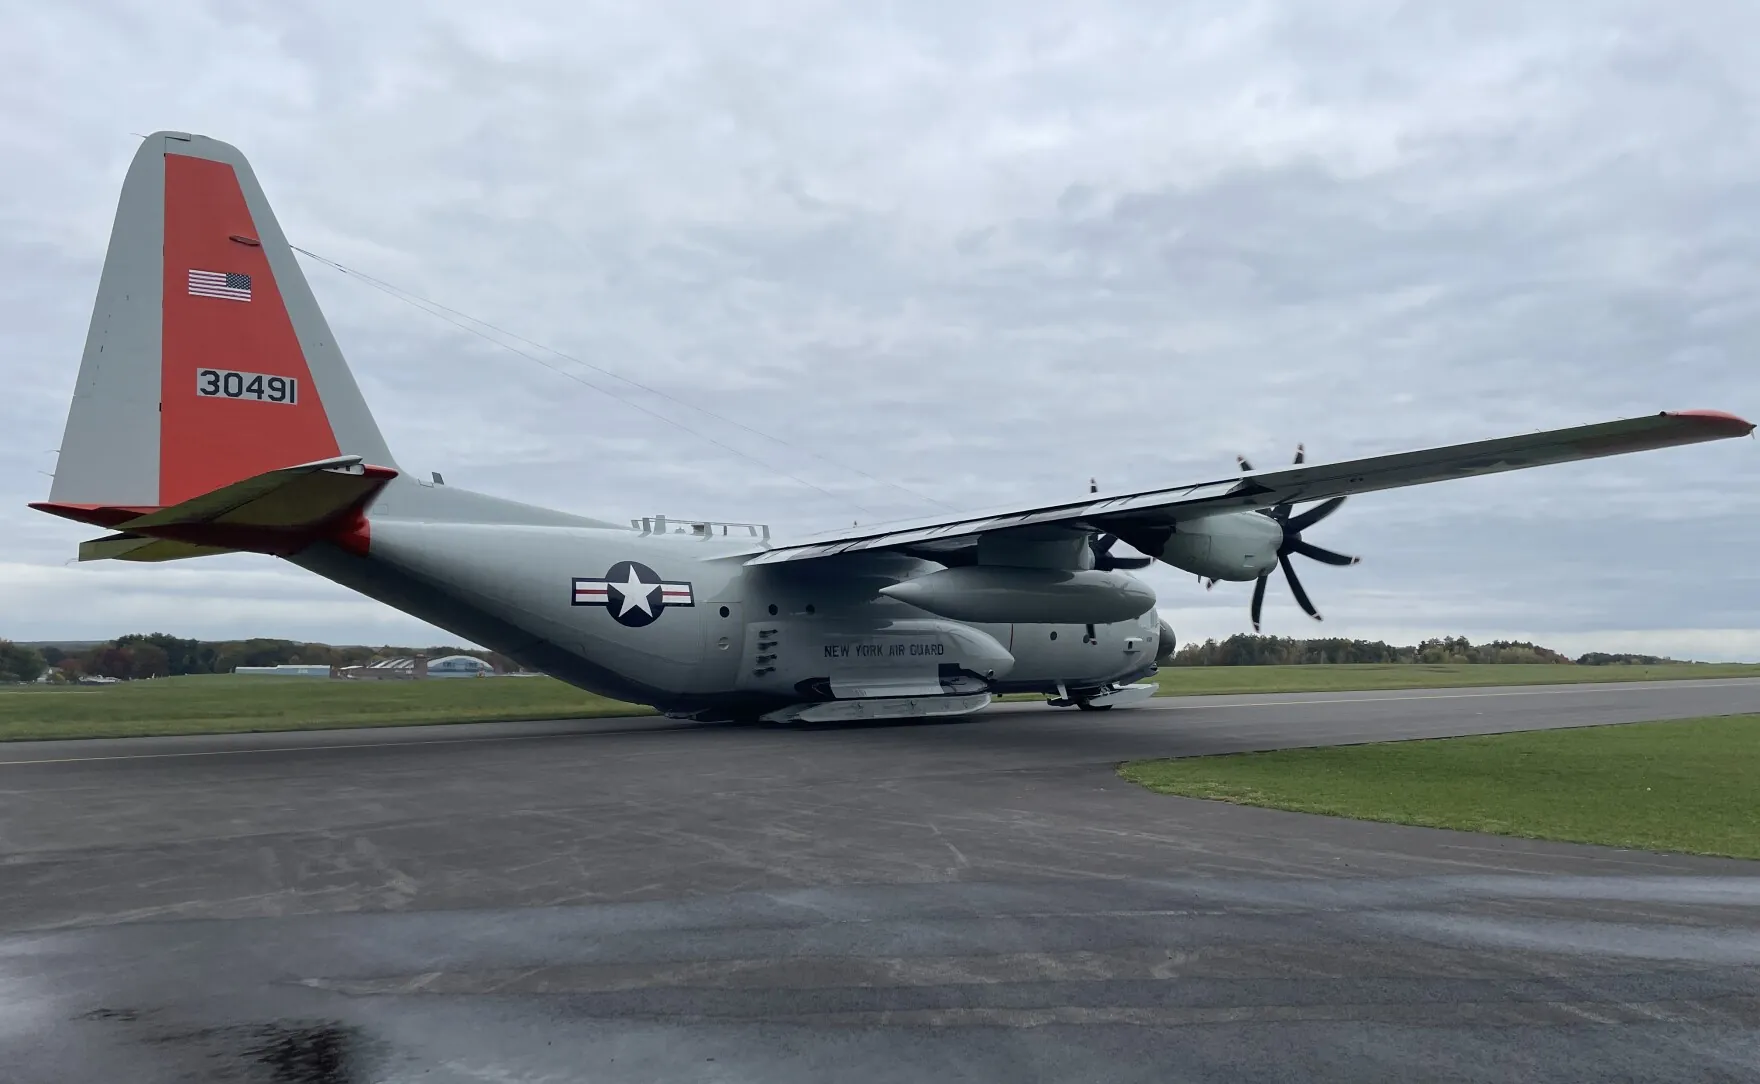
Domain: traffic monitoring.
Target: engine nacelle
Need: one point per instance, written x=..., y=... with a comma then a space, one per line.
x=1003, y=595
x=1228, y=546
x=1166, y=644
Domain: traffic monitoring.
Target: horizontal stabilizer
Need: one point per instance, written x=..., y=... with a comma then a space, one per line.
x=135, y=547
x=302, y=496
x=278, y=512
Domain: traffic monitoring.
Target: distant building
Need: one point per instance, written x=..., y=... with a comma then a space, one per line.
x=456, y=666
x=286, y=669
x=398, y=669
x=416, y=668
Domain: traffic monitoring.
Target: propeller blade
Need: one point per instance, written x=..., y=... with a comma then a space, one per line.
x=1259, y=600
x=1301, y=455
x=1104, y=561
x=1314, y=515
x=1098, y=544
x=1295, y=586
x=1321, y=554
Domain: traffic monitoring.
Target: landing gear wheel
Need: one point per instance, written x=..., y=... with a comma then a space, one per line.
x=1089, y=705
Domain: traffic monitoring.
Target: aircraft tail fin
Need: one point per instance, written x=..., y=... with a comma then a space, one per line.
x=207, y=361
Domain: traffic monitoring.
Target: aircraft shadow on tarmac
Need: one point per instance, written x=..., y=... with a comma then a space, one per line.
x=876, y=724
x=690, y=726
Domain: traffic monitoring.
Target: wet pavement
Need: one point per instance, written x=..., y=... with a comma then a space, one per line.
x=638, y=900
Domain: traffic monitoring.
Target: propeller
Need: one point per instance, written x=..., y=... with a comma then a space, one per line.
x=1104, y=561
x=1293, y=526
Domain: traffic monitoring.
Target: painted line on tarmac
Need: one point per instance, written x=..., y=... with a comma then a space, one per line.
x=1165, y=703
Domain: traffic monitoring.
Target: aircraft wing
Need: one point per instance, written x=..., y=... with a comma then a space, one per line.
x=1134, y=512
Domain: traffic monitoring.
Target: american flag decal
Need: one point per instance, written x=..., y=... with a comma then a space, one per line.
x=222, y=284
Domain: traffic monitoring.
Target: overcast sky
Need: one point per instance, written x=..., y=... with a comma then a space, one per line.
x=963, y=255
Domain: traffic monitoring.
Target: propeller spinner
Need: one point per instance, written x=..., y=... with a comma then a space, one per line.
x=1293, y=526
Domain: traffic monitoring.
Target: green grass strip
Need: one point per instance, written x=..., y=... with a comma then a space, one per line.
x=227, y=703
x=1363, y=677
x=1691, y=785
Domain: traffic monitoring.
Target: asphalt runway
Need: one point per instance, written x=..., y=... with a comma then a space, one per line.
x=642, y=900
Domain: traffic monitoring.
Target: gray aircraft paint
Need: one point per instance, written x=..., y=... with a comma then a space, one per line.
x=1005, y=593
x=1233, y=546
x=508, y=586
x=110, y=447
x=761, y=626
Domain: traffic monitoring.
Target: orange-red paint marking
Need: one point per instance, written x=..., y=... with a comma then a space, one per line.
x=209, y=442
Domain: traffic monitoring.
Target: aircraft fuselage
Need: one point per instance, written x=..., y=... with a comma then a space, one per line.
x=682, y=623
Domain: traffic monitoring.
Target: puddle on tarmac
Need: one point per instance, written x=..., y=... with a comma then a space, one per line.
x=325, y=1054
x=283, y=1052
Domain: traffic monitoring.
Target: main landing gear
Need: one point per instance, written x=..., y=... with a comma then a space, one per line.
x=1104, y=698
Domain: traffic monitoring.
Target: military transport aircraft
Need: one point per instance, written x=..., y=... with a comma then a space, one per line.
x=214, y=414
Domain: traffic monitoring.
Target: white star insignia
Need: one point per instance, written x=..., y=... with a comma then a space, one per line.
x=636, y=594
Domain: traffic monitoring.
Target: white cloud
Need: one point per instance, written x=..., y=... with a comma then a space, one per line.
x=980, y=252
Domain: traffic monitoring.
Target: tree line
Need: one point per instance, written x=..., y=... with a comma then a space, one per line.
x=1248, y=650
x=158, y=654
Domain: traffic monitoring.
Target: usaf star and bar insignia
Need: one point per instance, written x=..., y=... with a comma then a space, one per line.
x=632, y=593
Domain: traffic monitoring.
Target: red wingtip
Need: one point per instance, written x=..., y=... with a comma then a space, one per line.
x=1716, y=419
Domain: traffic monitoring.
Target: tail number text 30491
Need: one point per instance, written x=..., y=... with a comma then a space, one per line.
x=226, y=384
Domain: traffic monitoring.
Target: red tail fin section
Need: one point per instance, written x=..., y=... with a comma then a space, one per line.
x=207, y=361
x=237, y=397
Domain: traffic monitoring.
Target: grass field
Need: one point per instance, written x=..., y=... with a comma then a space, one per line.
x=223, y=703
x=1673, y=786
x=1202, y=680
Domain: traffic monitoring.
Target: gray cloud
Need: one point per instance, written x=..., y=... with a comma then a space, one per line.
x=977, y=254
